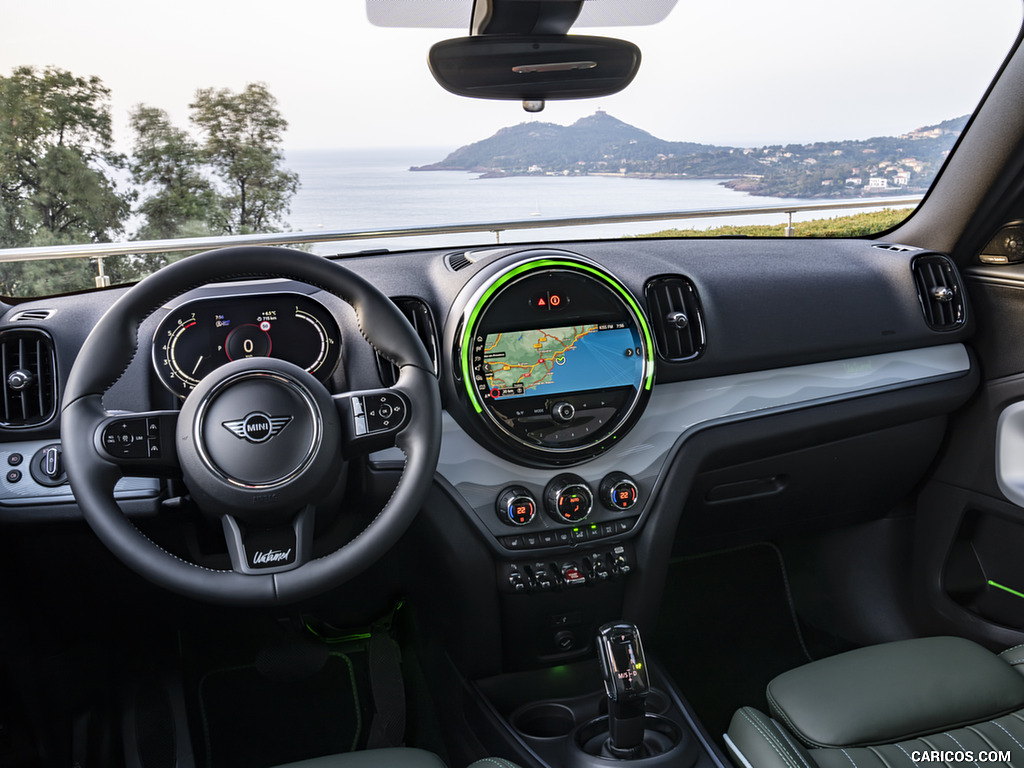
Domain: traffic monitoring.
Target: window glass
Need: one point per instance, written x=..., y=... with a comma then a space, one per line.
x=221, y=119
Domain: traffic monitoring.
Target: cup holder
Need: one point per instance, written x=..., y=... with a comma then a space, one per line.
x=665, y=744
x=658, y=703
x=544, y=720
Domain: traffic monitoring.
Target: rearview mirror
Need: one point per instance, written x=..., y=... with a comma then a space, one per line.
x=534, y=68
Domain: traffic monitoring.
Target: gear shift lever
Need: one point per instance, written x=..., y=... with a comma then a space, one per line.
x=626, y=681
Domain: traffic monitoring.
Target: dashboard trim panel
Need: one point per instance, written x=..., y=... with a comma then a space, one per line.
x=676, y=411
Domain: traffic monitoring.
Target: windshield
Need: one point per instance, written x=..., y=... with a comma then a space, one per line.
x=222, y=120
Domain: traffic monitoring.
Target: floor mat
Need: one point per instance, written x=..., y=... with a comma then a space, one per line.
x=726, y=628
x=244, y=715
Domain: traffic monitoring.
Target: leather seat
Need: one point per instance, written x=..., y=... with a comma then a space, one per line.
x=910, y=704
x=398, y=757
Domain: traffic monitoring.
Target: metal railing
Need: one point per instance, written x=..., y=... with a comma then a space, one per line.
x=100, y=251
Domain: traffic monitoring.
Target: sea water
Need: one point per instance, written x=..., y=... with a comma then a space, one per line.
x=375, y=190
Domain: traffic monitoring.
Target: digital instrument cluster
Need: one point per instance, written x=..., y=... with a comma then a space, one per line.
x=199, y=336
x=556, y=358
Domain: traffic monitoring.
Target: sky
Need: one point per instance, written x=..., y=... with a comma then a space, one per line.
x=730, y=72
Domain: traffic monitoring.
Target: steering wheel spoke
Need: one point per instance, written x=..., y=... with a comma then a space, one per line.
x=259, y=550
x=372, y=418
x=140, y=444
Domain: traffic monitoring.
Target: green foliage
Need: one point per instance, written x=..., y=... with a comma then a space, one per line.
x=56, y=147
x=242, y=134
x=857, y=225
x=45, y=278
x=57, y=162
x=240, y=147
x=167, y=160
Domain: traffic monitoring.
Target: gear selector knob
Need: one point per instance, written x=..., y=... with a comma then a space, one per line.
x=627, y=684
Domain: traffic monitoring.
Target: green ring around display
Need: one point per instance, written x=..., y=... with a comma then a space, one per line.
x=542, y=264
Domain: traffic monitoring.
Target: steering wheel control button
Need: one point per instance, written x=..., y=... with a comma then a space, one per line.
x=618, y=492
x=378, y=412
x=127, y=439
x=384, y=411
x=134, y=438
x=516, y=506
x=568, y=499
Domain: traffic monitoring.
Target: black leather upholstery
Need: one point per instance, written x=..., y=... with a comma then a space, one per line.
x=899, y=705
x=400, y=757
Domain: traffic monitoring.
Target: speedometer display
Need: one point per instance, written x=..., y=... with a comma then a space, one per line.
x=200, y=336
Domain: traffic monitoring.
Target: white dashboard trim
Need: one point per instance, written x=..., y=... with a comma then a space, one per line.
x=678, y=409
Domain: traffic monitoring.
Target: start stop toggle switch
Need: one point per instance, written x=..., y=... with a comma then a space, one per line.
x=573, y=576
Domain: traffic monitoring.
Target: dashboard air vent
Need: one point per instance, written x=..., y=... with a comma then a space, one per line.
x=418, y=315
x=33, y=315
x=942, y=296
x=676, y=317
x=458, y=260
x=894, y=248
x=29, y=371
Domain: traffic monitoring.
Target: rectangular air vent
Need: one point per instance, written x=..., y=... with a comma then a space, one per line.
x=940, y=291
x=895, y=248
x=418, y=315
x=676, y=317
x=33, y=315
x=29, y=371
x=458, y=260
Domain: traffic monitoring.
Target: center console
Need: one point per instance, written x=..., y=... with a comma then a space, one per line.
x=553, y=458
x=620, y=713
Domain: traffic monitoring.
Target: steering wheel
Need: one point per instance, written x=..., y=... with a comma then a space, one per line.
x=258, y=442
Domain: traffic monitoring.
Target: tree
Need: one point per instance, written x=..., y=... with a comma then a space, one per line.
x=242, y=141
x=56, y=152
x=170, y=162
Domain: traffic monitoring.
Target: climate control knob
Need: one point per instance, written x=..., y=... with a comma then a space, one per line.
x=516, y=506
x=618, y=492
x=568, y=499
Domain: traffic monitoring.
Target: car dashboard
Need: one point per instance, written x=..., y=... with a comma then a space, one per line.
x=572, y=374
x=607, y=406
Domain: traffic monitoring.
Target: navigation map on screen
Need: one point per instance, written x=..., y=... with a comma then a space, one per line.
x=551, y=361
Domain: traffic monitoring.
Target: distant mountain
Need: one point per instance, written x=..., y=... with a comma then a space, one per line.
x=589, y=141
x=602, y=144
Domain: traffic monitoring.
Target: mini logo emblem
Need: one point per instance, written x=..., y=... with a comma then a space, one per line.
x=257, y=427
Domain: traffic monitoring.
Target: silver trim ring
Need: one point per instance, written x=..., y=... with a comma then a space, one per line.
x=608, y=431
x=314, y=412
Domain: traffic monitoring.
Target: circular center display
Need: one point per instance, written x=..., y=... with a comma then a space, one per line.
x=557, y=358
